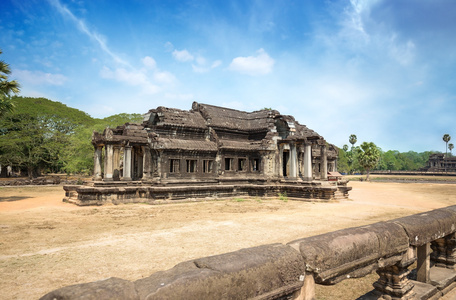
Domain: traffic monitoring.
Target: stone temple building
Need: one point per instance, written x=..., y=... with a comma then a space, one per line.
x=209, y=151
x=439, y=162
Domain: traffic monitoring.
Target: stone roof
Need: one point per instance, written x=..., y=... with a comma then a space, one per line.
x=227, y=118
x=164, y=116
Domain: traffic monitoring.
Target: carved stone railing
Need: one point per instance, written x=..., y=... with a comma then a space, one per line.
x=291, y=271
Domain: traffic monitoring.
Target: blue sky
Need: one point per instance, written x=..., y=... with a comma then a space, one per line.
x=384, y=70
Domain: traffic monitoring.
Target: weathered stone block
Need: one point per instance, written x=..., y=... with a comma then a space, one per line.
x=426, y=227
x=108, y=289
x=254, y=272
x=352, y=252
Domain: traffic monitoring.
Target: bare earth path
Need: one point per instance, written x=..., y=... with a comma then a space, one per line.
x=46, y=244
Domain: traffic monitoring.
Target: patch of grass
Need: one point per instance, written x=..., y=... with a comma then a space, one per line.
x=239, y=199
x=283, y=196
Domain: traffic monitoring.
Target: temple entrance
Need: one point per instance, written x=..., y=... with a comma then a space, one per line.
x=285, y=161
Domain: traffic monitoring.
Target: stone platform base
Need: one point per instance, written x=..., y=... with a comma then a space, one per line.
x=99, y=193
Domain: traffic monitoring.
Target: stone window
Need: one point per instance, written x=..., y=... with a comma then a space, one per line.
x=208, y=166
x=256, y=164
x=174, y=165
x=228, y=164
x=242, y=164
x=191, y=165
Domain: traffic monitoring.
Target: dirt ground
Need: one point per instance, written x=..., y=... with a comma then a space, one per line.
x=46, y=244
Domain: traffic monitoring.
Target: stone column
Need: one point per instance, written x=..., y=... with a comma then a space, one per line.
x=97, y=163
x=116, y=163
x=281, y=162
x=139, y=163
x=108, y=163
x=308, y=162
x=127, y=164
x=324, y=163
x=423, y=268
x=293, y=161
x=159, y=163
x=147, y=163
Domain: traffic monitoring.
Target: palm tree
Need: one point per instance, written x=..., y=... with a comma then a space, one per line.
x=450, y=147
x=353, y=139
x=6, y=88
x=446, y=139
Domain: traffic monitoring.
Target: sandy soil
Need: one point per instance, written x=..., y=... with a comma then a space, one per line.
x=46, y=244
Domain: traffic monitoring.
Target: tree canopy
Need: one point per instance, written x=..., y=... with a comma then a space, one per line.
x=368, y=156
x=43, y=135
x=7, y=88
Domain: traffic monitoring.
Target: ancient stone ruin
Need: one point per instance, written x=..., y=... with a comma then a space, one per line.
x=209, y=151
x=439, y=162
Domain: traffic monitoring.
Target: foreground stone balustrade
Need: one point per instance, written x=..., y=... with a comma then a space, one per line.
x=291, y=271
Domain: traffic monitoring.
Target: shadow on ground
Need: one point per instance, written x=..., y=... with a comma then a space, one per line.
x=12, y=198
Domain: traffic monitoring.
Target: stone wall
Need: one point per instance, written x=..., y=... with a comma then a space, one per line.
x=278, y=271
x=136, y=192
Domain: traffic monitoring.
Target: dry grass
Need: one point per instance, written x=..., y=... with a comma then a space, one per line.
x=46, y=244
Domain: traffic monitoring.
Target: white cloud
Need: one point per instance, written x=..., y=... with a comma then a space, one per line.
x=164, y=77
x=123, y=75
x=133, y=78
x=261, y=64
x=201, y=60
x=405, y=53
x=101, y=40
x=199, y=69
x=169, y=47
x=38, y=77
x=182, y=55
x=202, y=68
x=149, y=62
x=216, y=63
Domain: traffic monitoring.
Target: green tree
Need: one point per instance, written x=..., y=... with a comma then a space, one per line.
x=33, y=136
x=342, y=160
x=446, y=139
x=41, y=135
x=352, y=139
x=450, y=147
x=368, y=155
x=78, y=154
x=7, y=88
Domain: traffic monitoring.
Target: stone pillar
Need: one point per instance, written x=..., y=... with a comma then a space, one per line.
x=423, y=268
x=159, y=163
x=147, y=163
x=116, y=163
x=293, y=161
x=108, y=163
x=139, y=163
x=97, y=163
x=324, y=163
x=393, y=282
x=127, y=163
x=308, y=162
x=281, y=162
